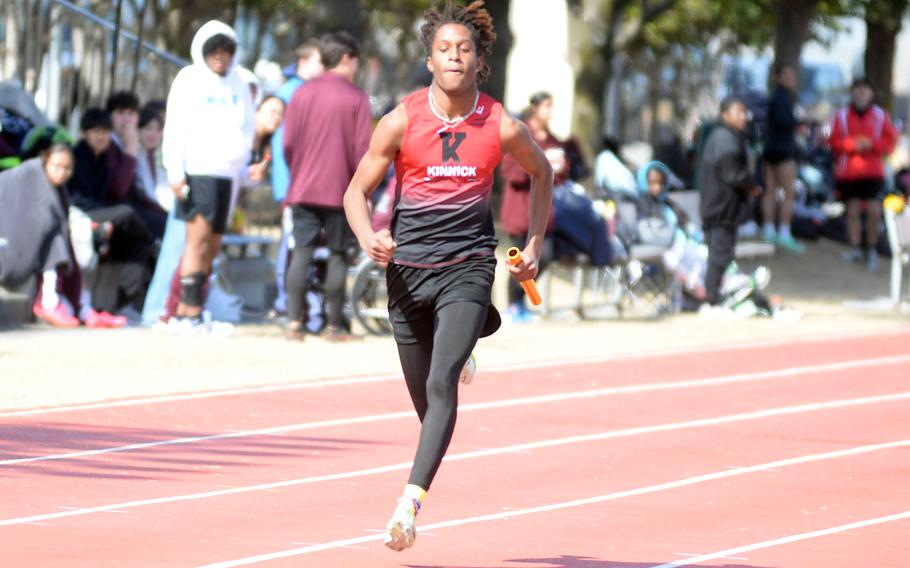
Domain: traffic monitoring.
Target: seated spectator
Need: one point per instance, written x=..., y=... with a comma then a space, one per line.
x=610, y=173
x=661, y=223
x=97, y=189
x=516, y=199
x=123, y=155
x=33, y=235
x=36, y=240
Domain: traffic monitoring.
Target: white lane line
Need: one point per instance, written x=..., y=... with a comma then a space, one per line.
x=788, y=540
x=528, y=446
x=541, y=399
x=341, y=381
x=578, y=503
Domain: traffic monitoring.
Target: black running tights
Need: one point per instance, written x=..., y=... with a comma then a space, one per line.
x=431, y=369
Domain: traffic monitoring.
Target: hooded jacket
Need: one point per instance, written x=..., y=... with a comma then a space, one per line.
x=724, y=179
x=658, y=221
x=210, y=118
x=649, y=205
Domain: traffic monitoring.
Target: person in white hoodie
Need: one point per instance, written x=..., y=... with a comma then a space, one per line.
x=208, y=136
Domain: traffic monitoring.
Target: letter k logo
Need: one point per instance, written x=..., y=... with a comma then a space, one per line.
x=450, y=143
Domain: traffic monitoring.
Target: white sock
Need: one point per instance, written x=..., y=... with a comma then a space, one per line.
x=49, y=297
x=415, y=493
x=785, y=232
x=768, y=229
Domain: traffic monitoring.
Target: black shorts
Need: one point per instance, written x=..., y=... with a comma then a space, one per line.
x=774, y=158
x=416, y=294
x=308, y=223
x=862, y=189
x=210, y=197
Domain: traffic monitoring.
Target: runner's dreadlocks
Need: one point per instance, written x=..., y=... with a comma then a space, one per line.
x=474, y=17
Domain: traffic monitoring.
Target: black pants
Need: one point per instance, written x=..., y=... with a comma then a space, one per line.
x=308, y=224
x=437, y=315
x=721, y=245
x=431, y=368
x=131, y=241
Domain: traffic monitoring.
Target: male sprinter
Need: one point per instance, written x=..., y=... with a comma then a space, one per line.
x=445, y=141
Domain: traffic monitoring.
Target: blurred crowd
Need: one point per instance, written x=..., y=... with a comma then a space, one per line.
x=124, y=222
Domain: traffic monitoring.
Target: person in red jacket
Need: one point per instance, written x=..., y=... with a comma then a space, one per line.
x=861, y=136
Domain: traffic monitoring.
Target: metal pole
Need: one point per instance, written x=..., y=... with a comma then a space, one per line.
x=179, y=62
x=138, y=51
x=116, y=47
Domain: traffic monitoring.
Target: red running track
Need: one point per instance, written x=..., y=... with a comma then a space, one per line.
x=771, y=455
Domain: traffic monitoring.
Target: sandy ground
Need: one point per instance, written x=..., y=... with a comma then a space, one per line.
x=40, y=366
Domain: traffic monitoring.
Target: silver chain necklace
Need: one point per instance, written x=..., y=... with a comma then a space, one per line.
x=448, y=122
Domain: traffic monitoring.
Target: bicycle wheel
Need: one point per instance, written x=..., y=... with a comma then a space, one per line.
x=370, y=299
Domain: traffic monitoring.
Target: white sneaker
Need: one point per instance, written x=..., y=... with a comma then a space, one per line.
x=469, y=370
x=872, y=261
x=707, y=311
x=852, y=255
x=401, y=532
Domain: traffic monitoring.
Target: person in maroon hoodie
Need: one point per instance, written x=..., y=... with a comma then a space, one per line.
x=327, y=132
x=861, y=136
x=516, y=198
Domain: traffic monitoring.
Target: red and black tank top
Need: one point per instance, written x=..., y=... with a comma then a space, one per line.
x=445, y=180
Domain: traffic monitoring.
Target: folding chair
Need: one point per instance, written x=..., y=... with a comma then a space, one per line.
x=898, y=228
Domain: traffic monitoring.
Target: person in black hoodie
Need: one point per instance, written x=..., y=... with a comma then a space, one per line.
x=727, y=185
x=780, y=160
x=102, y=189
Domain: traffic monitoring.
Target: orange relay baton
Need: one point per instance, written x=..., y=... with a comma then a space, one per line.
x=514, y=256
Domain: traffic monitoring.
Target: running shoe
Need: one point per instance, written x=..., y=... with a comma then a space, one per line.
x=57, y=317
x=469, y=370
x=790, y=244
x=853, y=255
x=872, y=261
x=519, y=314
x=401, y=532
x=99, y=320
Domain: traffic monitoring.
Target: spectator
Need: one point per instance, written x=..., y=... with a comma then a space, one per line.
x=98, y=180
x=123, y=158
x=151, y=174
x=33, y=234
x=610, y=174
x=309, y=65
x=515, y=212
x=35, y=241
x=861, y=136
x=100, y=189
x=207, y=139
x=161, y=300
x=726, y=186
x=327, y=132
x=780, y=160
x=269, y=117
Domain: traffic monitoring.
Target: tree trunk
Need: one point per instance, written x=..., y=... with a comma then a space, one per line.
x=883, y=24
x=793, y=21
x=655, y=90
x=498, y=60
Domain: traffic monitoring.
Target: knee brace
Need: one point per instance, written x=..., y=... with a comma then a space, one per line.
x=191, y=287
